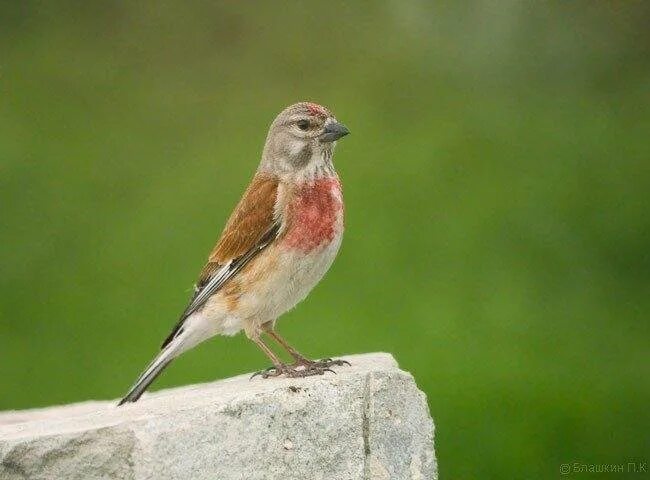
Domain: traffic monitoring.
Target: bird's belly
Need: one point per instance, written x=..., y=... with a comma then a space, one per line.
x=281, y=278
x=295, y=274
x=285, y=272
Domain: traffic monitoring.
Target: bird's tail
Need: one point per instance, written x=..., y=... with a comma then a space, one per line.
x=154, y=369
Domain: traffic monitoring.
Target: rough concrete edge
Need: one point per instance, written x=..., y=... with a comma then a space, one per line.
x=432, y=422
x=366, y=418
x=390, y=364
x=365, y=427
x=49, y=452
x=367, y=376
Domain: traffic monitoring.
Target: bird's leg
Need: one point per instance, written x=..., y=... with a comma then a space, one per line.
x=278, y=367
x=302, y=363
x=297, y=356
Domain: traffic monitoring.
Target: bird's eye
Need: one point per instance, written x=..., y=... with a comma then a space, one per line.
x=303, y=124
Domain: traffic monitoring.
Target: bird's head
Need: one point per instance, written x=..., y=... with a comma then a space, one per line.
x=301, y=140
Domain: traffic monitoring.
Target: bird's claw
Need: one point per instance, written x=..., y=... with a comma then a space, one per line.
x=330, y=362
x=308, y=370
x=302, y=368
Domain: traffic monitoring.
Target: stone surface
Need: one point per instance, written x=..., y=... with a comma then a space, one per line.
x=368, y=422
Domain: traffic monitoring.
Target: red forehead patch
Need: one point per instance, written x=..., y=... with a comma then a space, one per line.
x=316, y=109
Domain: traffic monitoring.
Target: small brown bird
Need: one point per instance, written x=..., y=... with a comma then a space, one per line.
x=277, y=245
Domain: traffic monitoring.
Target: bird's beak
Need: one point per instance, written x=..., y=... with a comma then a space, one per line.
x=333, y=131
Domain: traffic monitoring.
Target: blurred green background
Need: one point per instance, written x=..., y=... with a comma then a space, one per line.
x=497, y=186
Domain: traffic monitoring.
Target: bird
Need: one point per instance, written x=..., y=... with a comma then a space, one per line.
x=278, y=243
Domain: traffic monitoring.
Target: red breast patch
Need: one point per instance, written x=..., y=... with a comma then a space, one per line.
x=313, y=215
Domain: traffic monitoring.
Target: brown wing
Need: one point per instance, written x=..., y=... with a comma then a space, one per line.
x=250, y=228
x=252, y=217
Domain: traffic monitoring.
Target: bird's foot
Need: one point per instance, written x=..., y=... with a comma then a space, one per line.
x=274, y=371
x=294, y=371
x=328, y=362
x=301, y=368
x=304, y=367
